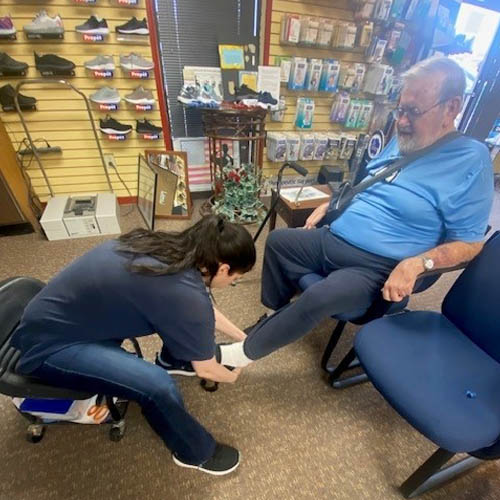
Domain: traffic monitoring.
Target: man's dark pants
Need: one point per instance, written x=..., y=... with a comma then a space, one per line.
x=353, y=278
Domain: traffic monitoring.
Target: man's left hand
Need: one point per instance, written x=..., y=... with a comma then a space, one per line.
x=401, y=281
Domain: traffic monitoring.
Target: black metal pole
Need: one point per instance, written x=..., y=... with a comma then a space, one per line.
x=272, y=208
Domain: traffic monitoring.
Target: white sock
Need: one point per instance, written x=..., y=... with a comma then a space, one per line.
x=233, y=355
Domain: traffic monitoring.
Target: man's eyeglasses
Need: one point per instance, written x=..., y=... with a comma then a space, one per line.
x=413, y=113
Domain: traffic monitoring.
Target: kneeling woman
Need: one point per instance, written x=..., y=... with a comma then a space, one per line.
x=142, y=283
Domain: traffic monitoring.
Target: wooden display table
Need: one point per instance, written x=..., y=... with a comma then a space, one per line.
x=296, y=214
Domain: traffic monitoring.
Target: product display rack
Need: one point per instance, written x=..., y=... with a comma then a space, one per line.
x=79, y=48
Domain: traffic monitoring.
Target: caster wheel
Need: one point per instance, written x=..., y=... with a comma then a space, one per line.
x=35, y=433
x=117, y=432
x=209, y=386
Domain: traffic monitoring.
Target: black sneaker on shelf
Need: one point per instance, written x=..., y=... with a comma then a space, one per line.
x=176, y=368
x=224, y=460
x=248, y=329
x=133, y=27
x=51, y=62
x=244, y=92
x=7, y=93
x=266, y=100
x=111, y=126
x=9, y=65
x=146, y=127
x=93, y=26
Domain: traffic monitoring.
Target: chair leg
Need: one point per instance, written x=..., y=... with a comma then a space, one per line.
x=137, y=347
x=431, y=475
x=332, y=343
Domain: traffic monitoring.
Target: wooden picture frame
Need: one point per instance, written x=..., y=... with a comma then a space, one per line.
x=173, y=199
x=147, y=181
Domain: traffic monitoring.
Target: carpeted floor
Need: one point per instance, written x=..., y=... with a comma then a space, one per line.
x=299, y=438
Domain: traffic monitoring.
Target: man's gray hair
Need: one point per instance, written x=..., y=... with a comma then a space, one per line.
x=453, y=83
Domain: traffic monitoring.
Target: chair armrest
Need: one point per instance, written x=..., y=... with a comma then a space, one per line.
x=443, y=270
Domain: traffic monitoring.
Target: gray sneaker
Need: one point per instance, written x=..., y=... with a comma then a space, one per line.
x=101, y=63
x=135, y=61
x=106, y=95
x=43, y=24
x=140, y=96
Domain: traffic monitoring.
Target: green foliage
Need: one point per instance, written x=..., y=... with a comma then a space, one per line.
x=238, y=197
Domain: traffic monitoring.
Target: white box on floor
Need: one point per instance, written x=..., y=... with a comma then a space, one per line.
x=52, y=219
x=80, y=216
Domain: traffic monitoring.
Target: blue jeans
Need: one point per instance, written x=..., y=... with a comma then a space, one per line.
x=106, y=368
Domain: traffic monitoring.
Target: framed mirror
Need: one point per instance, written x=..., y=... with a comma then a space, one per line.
x=173, y=199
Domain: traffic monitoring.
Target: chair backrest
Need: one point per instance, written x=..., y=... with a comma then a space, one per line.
x=15, y=293
x=473, y=302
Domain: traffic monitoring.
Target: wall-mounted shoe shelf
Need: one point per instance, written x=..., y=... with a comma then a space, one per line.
x=9, y=109
x=12, y=73
x=8, y=38
x=57, y=73
x=134, y=39
x=45, y=36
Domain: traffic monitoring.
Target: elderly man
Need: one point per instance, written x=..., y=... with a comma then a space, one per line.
x=432, y=214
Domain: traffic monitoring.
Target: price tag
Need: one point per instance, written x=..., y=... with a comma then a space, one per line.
x=128, y=2
x=151, y=137
x=102, y=73
x=87, y=37
x=143, y=107
x=108, y=107
x=140, y=74
x=116, y=137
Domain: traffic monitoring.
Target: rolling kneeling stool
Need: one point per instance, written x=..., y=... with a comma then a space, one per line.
x=15, y=294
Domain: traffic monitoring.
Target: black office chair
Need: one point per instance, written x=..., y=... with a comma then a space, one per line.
x=15, y=294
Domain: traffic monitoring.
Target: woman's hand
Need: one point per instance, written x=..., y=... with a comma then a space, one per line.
x=316, y=216
x=209, y=369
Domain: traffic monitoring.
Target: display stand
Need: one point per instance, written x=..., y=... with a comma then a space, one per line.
x=246, y=130
x=41, y=81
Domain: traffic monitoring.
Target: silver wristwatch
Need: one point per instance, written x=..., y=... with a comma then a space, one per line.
x=428, y=263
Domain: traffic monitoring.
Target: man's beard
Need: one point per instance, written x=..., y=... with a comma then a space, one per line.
x=407, y=142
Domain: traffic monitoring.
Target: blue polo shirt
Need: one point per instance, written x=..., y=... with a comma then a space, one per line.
x=444, y=196
x=98, y=298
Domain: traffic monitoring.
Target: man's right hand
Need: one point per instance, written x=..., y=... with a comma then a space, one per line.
x=316, y=216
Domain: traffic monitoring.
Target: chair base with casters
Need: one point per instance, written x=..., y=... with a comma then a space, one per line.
x=441, y=371
x=15, y=294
